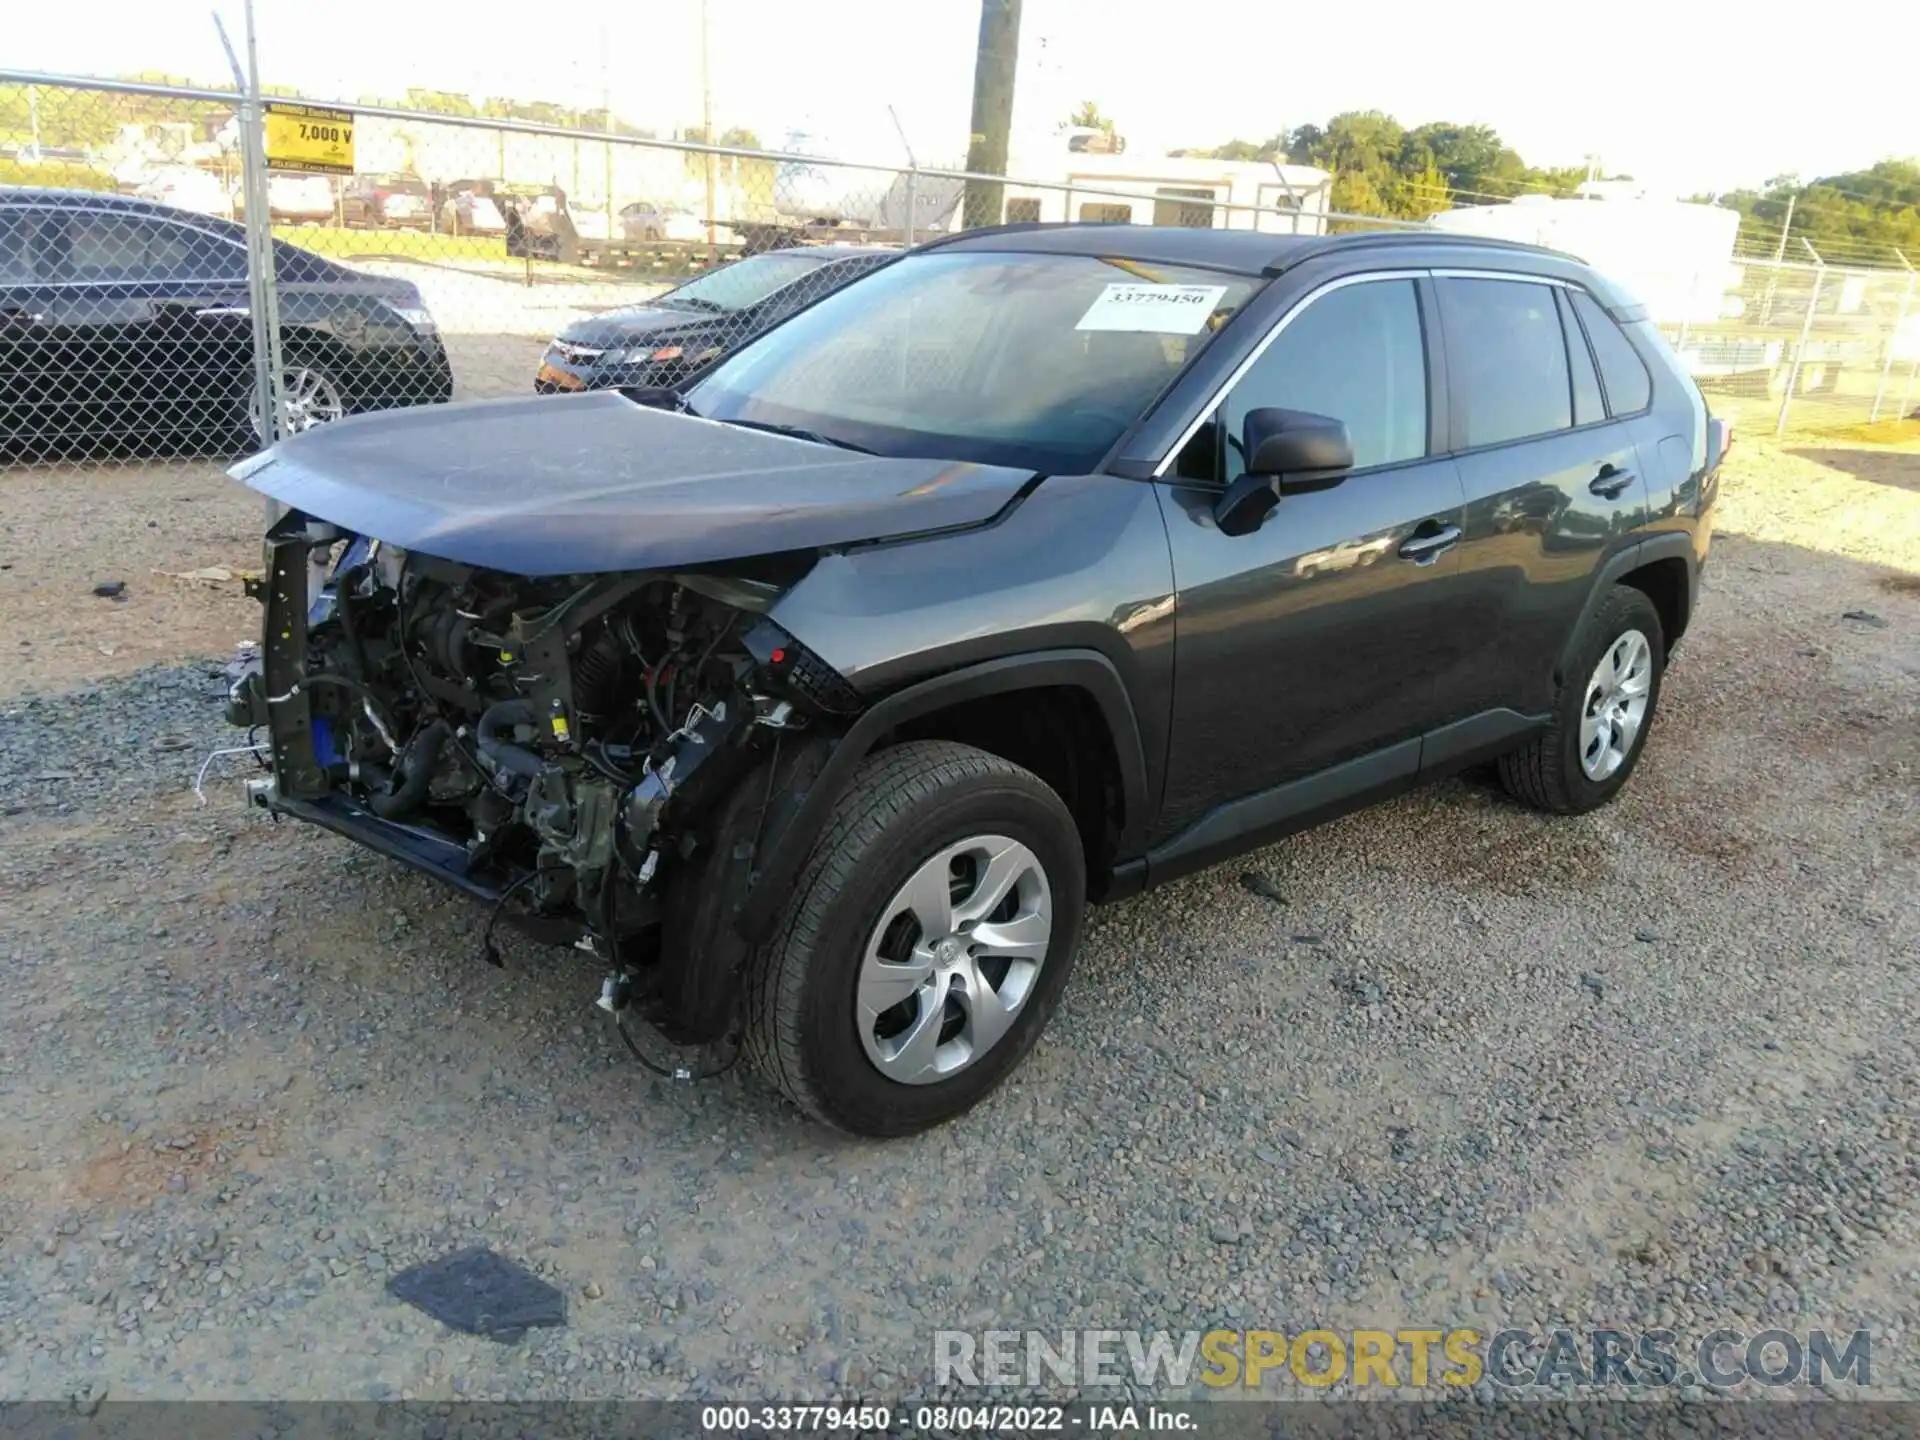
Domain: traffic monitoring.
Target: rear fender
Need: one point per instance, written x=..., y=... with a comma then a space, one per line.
x=1667, y=545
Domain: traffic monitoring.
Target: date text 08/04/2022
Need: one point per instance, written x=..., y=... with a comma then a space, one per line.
x=1036, y=1419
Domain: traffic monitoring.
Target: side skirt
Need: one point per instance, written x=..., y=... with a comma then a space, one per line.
x=1259, y=819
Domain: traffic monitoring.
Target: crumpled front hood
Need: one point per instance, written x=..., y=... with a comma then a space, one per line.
x=578, y=484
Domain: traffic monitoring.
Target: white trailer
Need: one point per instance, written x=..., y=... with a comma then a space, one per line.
x=1185, y=190
x=1674, y=256
x=1055, y=179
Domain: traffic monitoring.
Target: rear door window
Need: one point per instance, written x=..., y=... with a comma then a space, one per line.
x=1629, y=387
x=18, y=228
x=106, y=249
x=1588, y=406
x=1506, y=360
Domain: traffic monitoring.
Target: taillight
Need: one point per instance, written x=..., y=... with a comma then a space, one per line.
x=1719, y=440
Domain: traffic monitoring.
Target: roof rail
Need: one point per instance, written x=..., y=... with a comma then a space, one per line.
x=1387, y=239
x=1018, y=227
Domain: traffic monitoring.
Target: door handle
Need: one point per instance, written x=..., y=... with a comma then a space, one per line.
x=1425, y=545
x=1610, y=483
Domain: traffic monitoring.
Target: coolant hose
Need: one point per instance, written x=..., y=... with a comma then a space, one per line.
x=504, y=754
x=417, y=767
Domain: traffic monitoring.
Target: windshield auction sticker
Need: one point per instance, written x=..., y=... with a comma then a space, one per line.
x=1155, y=309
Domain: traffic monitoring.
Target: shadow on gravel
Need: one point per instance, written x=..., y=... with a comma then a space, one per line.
x=1897, y=469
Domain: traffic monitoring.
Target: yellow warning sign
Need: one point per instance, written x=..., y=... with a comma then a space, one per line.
x=309, y=138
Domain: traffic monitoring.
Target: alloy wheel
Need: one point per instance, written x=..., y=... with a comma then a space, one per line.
x=312, y=399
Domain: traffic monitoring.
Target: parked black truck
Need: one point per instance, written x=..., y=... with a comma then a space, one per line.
x=1040, y=566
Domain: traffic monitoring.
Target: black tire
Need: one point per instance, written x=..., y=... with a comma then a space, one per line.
x=903, y=805
x=1546, y=772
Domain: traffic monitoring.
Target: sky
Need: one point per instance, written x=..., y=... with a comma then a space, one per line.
x=1686, y=95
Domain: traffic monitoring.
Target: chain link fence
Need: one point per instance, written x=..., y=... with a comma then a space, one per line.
x=462, y=257
x=1807, y=347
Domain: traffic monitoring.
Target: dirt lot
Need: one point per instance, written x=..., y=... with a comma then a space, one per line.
x=1446, y=1062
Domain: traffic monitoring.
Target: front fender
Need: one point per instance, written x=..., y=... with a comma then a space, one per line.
x=1086, y=670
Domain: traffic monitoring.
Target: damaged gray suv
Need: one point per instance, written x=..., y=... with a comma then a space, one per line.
x=1040, y=566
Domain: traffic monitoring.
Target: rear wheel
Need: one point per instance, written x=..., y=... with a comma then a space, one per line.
x=926, y=943
x=1604, y=713
x=314, y=396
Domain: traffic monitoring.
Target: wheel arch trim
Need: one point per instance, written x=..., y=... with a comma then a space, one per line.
x=1085, y=670
x=1667, y=545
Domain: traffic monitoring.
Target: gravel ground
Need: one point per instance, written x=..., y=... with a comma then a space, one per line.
x=1444, y=1062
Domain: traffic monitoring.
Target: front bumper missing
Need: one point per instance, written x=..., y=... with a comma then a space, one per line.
x=283, y=655
x=416, y=847
x=411, y=845
x=277, y=696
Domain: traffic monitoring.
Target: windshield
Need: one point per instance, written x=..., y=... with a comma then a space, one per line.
x=743, y=283
x=1037, y=361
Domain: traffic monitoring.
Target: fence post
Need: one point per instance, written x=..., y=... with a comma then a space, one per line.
x=913, y=200
x=1886, y=366
x=1800, y=350
x=263, y=294
x=1686, y=314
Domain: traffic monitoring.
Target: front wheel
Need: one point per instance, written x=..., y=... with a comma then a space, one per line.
x=1604, y=713
x=926, y=944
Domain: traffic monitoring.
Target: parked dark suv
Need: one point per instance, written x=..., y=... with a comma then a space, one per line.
x=126, y=324
x=682, y=331
x=1044, y=564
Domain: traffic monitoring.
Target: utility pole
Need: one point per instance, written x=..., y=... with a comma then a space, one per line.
x=993, y=76
x=706, y=125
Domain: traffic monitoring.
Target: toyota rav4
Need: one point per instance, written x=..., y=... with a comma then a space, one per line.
x=1042, y=565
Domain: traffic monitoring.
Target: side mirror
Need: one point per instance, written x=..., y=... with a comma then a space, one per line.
x=1284, y=443
x=1284, y=450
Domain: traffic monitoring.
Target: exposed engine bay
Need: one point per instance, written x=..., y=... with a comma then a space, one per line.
x=586, y=741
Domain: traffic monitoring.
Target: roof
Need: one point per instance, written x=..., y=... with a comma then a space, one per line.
x=40, y=195
x=1250, y=252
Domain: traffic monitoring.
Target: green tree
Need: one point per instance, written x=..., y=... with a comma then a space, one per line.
x=1088, y=117
x=1859, y=215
